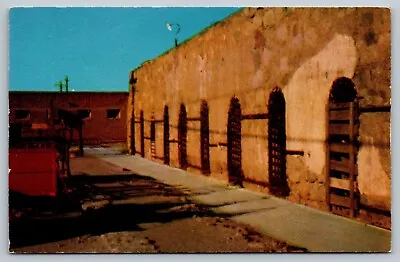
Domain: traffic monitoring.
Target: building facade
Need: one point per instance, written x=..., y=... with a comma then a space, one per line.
x=290, y=101
x=103, y=113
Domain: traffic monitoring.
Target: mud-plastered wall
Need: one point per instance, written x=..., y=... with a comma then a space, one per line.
x=302, y=51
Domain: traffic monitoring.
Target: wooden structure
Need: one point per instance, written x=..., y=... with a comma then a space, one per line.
x=341, y=177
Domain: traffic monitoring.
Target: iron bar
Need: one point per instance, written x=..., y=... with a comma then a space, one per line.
x=375, y=109
x=260, y=116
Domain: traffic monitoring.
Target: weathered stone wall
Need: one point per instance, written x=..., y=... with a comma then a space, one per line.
x=300, y=50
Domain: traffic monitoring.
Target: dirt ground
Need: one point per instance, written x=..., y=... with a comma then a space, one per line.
x=119, y=212
x=189, y=235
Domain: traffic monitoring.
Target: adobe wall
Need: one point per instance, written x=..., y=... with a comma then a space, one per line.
x=97, y=127
x=300, y=50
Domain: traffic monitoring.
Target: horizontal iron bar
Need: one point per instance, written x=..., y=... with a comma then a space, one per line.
x=193, y=119
x=255, y=116
x=159, y=157
x=194, y=166
x=257, y=182
x=147, y=138
x=372, y=109
x=158, y=121
x=173, y=141
x=295, y=152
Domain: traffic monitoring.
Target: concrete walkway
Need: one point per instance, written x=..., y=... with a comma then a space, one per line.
x=297, y=225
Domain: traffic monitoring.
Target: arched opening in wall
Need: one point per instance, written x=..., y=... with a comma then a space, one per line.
x=182, y=138
x=343, y=90
x=204, y=138
x=277, y=143
x=141, y=122
x=234, y=130
x=343, y=122
x=166, y=135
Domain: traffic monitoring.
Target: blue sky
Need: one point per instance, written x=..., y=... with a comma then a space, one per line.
x=95, y=47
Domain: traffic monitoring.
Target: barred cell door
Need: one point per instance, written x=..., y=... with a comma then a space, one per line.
x=234, y=130
x=166, y=135
x=141, y=122
x=204, y=138
x=343, y=124
x=277, y=143
x=182, y=137
x=153, y=137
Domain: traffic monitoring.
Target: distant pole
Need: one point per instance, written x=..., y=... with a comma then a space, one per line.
x=169, y=27
x=66, y=83
x=59, y=85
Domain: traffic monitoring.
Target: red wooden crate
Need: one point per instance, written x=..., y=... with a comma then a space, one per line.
x=33, y=171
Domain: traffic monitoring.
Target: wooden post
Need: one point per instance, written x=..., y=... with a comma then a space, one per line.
x=80, y=139
x=71, y=134
x=67, y=159
x=328, y=165
x=352, y=159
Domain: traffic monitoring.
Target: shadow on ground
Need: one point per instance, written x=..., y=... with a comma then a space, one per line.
x=96, y=205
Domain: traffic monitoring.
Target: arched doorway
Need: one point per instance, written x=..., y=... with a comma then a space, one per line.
x=234, y=130
x=182, y=137
x=343, y=122
x=277, y=143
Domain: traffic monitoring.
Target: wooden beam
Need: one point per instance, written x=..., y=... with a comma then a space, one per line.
x=339, y=115
x=339, y=200
x=339, y=147
x=339, y=106
x=340, y=183
x=339, y=129
x=342, y=166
